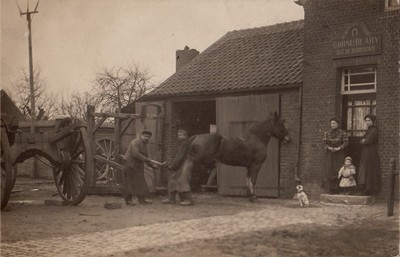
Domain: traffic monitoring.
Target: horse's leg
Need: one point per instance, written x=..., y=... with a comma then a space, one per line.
x=183, y=182
x=252, y=173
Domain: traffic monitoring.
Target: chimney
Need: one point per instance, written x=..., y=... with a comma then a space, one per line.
x=184, y=56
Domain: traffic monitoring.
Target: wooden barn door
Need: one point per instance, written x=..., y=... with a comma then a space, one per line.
x=153, y=121
x=234, y=116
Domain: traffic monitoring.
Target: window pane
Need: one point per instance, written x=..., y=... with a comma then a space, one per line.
x=363, y=87
x=362, y=78
x=361, y=102
x=356, y=110
x=358, y=118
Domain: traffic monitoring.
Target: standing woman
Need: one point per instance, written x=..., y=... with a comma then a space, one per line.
x=335, y=142
x=369, y=175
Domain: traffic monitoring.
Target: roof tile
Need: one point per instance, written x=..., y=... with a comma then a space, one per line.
x=242, y=59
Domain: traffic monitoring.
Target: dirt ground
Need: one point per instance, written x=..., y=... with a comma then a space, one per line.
x=336, y=230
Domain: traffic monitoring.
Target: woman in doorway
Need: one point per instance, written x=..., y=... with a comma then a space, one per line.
x=335, y=142
x=369, y=175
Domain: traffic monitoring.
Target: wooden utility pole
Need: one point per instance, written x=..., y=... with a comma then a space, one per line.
x=29, y=15
x=31, y=84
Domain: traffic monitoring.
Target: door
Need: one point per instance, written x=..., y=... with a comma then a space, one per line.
x=355, y=107
x=152, y=120
x=234, y=116
x=359, y=85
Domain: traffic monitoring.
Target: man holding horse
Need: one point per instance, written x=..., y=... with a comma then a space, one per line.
x=179, y=176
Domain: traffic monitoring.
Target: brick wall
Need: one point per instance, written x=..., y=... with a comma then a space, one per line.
x=170, y=144
x=290, y=112
x=321, y=91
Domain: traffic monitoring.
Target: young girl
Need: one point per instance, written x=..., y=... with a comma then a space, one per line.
x=347, y=182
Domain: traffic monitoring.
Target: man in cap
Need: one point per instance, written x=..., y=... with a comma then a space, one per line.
x=135, y=158
x=179, y=174
x=174, y=169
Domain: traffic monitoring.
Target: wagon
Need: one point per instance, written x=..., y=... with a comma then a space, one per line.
x=76, y=156
x=66, y=147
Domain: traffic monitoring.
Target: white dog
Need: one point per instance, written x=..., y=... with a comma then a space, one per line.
x=301, y=195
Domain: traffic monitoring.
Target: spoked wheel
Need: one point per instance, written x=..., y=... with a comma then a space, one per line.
x=74, y=174
x=6, y=169
x=104, y=171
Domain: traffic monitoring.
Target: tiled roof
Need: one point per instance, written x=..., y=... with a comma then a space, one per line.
x=243, y=59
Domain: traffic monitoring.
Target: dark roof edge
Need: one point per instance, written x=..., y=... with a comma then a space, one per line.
x=211, y=94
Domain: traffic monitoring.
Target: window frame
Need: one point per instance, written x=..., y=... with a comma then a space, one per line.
x=349, y=91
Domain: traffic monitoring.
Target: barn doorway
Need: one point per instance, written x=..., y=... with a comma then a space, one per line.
x=198, y=117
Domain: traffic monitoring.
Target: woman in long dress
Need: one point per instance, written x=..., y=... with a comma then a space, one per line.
x=369, y=175
x=335, y=142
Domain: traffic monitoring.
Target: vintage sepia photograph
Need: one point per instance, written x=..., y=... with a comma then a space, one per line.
x=220, y=128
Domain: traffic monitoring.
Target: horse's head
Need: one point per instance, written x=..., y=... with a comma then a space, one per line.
x=278, y=129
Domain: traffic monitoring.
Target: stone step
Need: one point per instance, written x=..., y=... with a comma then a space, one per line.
x=347, y=199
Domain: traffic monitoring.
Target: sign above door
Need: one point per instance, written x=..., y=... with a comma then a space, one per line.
x=356, y=40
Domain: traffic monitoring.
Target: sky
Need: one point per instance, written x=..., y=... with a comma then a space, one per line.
x=74, y=39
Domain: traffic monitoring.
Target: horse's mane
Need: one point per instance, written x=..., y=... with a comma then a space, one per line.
x=261, y=129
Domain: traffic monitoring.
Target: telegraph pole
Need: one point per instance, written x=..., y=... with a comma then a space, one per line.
x=29, y=15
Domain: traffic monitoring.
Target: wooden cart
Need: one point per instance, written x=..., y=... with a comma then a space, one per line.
x=78, y=156
x=66, y=147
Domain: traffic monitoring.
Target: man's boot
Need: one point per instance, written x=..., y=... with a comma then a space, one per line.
x=143, y=200
x=128, y=201
x=186, y=199
x=171, y=198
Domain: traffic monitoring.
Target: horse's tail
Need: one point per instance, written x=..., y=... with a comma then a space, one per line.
x=181, y=154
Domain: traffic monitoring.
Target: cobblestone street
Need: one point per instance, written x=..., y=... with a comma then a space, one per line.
x=215, y=226
x=162, y=234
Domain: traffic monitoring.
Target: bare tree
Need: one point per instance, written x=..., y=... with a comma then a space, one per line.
x=76, y=105
x=45, y=101
x=117, y=87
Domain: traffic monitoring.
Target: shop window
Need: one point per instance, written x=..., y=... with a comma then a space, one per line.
x=392, y=5
x=359, y=80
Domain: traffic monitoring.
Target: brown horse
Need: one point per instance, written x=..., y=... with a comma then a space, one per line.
x=249, y=152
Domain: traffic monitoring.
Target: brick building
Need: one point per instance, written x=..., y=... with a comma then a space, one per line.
x=342, y=60
x=351, y=68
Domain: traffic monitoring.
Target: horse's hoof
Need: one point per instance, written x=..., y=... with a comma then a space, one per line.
x=253, y=198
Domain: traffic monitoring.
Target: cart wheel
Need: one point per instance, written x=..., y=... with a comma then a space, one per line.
x=73, y=176
x=6, y=169
x=104, y=171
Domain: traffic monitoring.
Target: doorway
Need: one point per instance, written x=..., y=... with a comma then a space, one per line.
x=198, y=117
x=358, y=89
